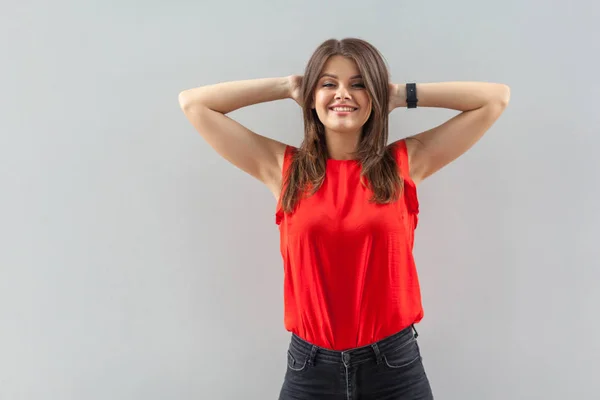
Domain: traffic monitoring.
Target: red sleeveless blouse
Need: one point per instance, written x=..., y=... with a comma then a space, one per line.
x=349, y=274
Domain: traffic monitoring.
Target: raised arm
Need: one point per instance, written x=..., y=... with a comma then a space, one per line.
x=481, y=104
x=206, y=106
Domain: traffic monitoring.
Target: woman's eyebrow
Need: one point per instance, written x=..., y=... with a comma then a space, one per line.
x=336, y=77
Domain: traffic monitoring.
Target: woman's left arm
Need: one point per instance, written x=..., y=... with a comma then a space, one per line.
x=481, y=104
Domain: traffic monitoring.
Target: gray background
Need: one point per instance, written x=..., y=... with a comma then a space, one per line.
x=138, y=264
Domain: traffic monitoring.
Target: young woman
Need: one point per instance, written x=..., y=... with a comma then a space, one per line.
x=347, y=209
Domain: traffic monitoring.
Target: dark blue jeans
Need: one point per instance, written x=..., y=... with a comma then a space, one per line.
x=391, y=368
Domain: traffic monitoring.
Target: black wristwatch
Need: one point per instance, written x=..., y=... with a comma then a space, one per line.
x=411, y=95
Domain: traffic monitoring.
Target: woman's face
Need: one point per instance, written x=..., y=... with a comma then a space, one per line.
x=340, y=98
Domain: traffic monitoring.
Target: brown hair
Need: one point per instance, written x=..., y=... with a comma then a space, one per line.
x=307, y=168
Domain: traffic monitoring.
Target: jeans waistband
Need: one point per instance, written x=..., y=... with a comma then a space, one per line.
x=315, y=353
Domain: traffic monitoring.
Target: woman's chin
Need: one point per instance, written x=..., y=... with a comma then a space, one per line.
x=344, y=127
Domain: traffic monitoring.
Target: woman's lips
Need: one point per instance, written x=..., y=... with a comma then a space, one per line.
x=342, y=110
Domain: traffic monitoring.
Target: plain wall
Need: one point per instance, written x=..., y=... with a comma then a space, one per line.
x=136, y=263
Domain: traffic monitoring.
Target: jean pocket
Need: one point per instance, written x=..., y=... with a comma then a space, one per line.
x=297, y=363
x=404, y=355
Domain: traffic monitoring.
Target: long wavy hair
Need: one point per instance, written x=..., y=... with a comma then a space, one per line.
x=378, y=165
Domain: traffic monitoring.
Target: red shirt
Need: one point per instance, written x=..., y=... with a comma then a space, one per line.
x=349, y=273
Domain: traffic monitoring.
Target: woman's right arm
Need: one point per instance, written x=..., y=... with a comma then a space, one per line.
x=206, y=106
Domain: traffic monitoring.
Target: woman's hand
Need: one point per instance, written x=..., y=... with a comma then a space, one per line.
x=397, y=96
x=295, y=83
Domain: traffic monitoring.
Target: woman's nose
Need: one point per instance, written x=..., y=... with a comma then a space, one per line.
x=342, y=93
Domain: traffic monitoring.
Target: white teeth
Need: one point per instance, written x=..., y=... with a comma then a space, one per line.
x=343, y=109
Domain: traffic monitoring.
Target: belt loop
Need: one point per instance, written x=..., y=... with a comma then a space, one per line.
x=311, y=356
x=377, y=353
x=415, y=329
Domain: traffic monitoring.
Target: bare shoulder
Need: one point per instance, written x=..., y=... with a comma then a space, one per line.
x=412, y=148
x=274, y=169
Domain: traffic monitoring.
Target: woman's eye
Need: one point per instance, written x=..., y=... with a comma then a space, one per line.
x=357, y=85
